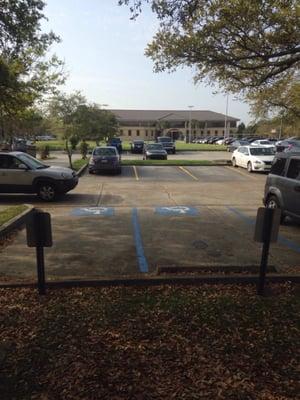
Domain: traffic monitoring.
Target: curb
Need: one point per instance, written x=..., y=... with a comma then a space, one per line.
x=145, y=282
x=82, y=169
x=16, y=222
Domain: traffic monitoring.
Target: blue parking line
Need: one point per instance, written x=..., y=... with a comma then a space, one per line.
x=281, y=239
x=143, y=265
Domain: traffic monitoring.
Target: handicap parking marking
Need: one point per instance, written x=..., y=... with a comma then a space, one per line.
x=176, y=210
x=93, y=211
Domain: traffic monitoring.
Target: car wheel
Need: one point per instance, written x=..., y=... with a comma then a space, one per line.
x=90, y=171
x=233, y=162
x=273, y=202
x=47, y=191
x=249, y=167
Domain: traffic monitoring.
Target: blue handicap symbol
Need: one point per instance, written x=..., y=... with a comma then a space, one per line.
x=93, y=211
x=176, y=210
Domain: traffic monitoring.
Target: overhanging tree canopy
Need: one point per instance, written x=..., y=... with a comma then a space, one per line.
x=244, y=46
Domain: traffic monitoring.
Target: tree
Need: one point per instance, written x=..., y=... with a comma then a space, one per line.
x=246, y=47
x=61, y=110
x=25, y=73
x=283, y=99
x=95, y=123
x=241, y=128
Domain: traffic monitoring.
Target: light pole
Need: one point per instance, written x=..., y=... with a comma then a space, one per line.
x=226, y=114
x=190, y=124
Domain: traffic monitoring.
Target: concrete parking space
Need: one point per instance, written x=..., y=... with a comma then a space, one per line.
x=118, y=225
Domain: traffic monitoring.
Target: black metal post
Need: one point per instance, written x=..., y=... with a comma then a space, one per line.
x=40, y=269
x=265, y=251
x=263, y=268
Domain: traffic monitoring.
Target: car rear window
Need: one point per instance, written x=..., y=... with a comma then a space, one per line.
x=294, y=170
x=105, y=151
x=278, y=166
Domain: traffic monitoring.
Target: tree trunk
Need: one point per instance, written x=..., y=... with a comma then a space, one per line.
x=69, y=152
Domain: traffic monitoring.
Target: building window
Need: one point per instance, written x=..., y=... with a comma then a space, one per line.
x=137, y=133
x=208, y=132
x=151, y=133
x=146, y=132
x=187, y=131
x=121, y=132
x=129, y=132
x=216, y=132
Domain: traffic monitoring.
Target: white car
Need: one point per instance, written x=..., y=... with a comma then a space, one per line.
x=262, y=142
x=254, y=158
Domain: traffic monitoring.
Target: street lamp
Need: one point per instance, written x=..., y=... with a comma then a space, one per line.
x=190, y=123
x=226, y=114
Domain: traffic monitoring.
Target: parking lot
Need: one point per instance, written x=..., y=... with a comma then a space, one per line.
x=129, y=224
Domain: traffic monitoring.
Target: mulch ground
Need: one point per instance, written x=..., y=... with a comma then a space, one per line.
x=210, y=342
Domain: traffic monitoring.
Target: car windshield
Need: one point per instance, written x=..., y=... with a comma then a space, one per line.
x=104, y=151
x=262, y=151
x=265, y=142
x=242, y=142
x=154, y=146
x=32, y=162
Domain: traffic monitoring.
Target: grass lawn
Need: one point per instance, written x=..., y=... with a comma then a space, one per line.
x=210, y=342
x=170, y=162
x=77, y=164
x=10, y=212
x=180, y=146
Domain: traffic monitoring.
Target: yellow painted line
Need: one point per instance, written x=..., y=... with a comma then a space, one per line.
x=189, y=173
x=241, y=172
x=135, y=173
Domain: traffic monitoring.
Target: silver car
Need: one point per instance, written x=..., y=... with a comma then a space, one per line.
x=22, y=173
x=282, y=189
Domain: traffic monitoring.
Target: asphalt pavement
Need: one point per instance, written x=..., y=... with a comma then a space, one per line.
x=129, y=224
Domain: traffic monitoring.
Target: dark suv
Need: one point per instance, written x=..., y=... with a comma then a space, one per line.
x=167, y=144
x=115, y=142
x=282, y=189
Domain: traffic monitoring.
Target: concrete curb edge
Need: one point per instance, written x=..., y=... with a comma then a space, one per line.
x=140, y=282
x=16, y=222
x=82, y=169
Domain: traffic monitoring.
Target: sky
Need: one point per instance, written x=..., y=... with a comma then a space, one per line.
x=103, y=51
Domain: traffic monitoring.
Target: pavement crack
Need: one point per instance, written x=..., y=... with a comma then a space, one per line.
x=169, y=195
x=100, y=196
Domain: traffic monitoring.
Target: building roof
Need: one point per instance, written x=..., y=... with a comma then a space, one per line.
x=170, y=115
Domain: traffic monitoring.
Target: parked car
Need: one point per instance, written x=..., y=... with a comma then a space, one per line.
x=22, y=173
x=262, y=142
x=254, y=158
x=282, y=188
x=105, y=158
x=115, y=142
x=237, y=143
x=167, y=144
x=287, y=144
x=220, y=141
x=229, y=140
x=155, y=151
x=137, y=146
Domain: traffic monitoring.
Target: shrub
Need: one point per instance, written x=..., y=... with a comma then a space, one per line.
x=74, y=140
x=84, y=147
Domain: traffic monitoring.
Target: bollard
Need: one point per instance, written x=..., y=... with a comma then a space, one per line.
x=266, y=232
